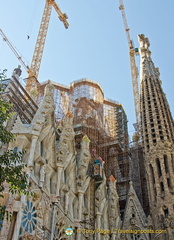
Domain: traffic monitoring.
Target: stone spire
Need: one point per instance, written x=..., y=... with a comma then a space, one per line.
x=158, y=138
x=134, y=216
x=147, y=66
x=157, y=121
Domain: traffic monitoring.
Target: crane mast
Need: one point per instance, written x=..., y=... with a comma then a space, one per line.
x=134, y=71
x=32, y=82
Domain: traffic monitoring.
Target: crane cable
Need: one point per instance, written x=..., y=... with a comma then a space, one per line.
x=30, y=28
x=13, y=46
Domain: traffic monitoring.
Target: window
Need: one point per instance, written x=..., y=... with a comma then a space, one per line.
x=136, y=235
x=162, y=187
x=152, y=173
x=172, y=158
x=41, y=148
x=168, y=183
x=166, y=212
x=166, y=164
x=15, y=150
x=158, y=167
x=153, y=179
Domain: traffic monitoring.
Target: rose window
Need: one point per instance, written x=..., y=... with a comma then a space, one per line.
x=29, y=217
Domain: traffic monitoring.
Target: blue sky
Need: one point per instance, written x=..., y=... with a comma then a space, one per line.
x=95, y=45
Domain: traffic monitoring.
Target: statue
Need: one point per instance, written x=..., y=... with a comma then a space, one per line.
x=83, y=161
x=66, y=143
x=17, y=71
x=113, y=203
x=144, y=41
x=42, y=176
x=100, y=197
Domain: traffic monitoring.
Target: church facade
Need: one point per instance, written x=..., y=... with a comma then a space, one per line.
x=86, y=182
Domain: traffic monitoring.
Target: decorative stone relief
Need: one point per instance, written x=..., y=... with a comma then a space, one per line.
x=66, y=142
x=113, y=203
x=134, y=217
x=83, y=162
x=59, y=230
x=100, y=197
x=45, y=110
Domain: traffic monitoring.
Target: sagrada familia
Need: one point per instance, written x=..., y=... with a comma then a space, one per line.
x=87, y=181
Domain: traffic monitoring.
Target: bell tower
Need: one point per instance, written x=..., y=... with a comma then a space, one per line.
x=158, y=142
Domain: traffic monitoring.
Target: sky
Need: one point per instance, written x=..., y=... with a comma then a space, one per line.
x=95, y=45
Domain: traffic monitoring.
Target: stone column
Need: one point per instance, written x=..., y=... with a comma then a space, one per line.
x=19, y=217
x=80, y=205
x=79, y=233
x=59, y=174
x=80, y=198
x=113, y=237
x=32, y=150
x=98, y=225
x=66, y=202
x=71, y=205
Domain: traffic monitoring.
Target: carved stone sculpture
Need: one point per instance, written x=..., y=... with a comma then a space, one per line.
x=113, y=203
x=66, y=143
x=84, y=160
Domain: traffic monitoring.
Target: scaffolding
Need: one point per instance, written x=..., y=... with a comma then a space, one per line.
x=61, y=99
x=105, y=123
x=21, y=101
x=102, y=120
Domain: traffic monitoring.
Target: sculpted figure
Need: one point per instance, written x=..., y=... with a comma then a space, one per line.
x=100, y=197
x=66, y=143
x=113, y=202
x=144, y=41
x=83, y=161
x=17, y=71
x=42, y=176
x=48, y=173
x=49, y=92
x=40, y=220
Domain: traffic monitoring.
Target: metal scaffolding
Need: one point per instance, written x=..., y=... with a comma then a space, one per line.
x=105, y=123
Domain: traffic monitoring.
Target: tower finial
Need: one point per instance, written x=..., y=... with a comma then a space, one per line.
x=144, y=42
x=147, y=67
x=144, y=45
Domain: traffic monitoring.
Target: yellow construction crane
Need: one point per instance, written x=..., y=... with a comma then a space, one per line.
x=134, y=71
x=32, y=81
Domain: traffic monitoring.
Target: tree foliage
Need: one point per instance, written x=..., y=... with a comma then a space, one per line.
x=10, y=161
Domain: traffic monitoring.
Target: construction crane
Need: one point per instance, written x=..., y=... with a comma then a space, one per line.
x=134, y=71
x=32, y=81
x=33, y=71
x=14, y=50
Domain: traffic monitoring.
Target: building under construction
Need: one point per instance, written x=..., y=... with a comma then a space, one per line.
x=81, y=169
x=86, y=179
x=103, y=120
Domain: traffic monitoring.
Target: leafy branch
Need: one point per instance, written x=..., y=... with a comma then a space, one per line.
x=11, y=165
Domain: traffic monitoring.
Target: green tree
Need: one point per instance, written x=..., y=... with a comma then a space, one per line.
x=10, y=161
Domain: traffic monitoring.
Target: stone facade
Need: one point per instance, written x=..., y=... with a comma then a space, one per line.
x=81, y=172
x=59, y=183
